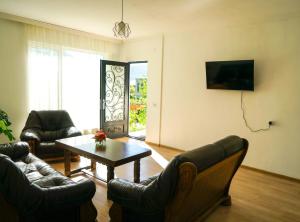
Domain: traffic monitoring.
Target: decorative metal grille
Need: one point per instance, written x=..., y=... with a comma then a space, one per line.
x=114, y=98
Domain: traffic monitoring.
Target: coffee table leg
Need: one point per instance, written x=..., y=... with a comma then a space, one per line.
x=110, y=173
x=137, y=171
x=93, y=165
x=67, y=155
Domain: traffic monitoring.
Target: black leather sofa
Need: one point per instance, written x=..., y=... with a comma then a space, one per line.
x=188, y=189
x=42, y=128
x=32, y=191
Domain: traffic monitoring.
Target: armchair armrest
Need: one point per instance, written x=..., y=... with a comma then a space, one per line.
x=72, y=131
x=126, y=193
x=69, y=195
x=30, y=134
x=15, y=150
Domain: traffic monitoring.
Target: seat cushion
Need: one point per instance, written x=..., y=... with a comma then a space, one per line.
x=34, y=168
x=48, y=149
x=40, y=173
x=44, y=175
x=50, y=136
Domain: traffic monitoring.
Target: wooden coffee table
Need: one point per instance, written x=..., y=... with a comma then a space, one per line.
x=112, y=154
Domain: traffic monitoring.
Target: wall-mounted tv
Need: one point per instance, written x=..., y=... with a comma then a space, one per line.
x=233, y=75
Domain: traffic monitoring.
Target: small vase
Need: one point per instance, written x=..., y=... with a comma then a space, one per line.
x=100, y=144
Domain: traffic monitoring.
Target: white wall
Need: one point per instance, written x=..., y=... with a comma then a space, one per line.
x=193, y=116
x=148, y=49
x=13, y=91
x=13, y=72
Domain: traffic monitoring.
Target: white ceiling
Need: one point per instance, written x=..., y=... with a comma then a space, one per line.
x=150, y=17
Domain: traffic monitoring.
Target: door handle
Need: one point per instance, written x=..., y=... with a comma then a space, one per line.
x=103, y=104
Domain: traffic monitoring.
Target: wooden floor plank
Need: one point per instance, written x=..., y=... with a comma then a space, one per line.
x=256, y=196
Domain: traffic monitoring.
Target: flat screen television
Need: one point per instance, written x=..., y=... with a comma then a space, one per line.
x=232, y=75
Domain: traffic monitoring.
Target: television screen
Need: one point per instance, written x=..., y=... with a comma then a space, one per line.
x=234, y=75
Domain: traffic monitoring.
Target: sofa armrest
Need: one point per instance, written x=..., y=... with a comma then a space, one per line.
x=15, y=150
x=30, y=134
x=126, y=193
x=72, y=131
x=69, y=195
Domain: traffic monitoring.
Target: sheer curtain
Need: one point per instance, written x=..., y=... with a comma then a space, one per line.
x=64, y=73
x=43, y=78
x=81, y=87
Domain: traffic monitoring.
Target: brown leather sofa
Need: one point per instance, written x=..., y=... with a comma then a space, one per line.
x=41, y=130
x=31, y=191
x=188, y=189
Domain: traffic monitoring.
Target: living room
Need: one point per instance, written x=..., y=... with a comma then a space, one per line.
x=182, y=114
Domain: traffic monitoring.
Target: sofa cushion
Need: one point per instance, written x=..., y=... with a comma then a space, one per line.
x=48, y=149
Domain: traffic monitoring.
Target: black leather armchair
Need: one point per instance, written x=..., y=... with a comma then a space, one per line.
x=42, y=128
x=192, y=184
x=30, y=190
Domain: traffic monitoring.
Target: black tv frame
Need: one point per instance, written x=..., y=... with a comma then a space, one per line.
x=242, y=84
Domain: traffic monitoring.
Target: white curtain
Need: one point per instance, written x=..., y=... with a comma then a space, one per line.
x=43, y=70
x=64, y=73
x=81, y=87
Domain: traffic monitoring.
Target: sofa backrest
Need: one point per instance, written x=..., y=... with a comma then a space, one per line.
x=14, y=150
x=162, y=190
x=211, y=154
x=204, y=179
x=50, y=120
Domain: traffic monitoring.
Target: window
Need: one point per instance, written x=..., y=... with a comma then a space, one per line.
x=64, y=78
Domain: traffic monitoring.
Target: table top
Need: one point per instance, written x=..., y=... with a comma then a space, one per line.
x=112, y=153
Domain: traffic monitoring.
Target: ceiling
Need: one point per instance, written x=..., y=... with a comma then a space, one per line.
x=150, y=17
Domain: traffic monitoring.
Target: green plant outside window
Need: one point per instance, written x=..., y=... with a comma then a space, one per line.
x=138, y=106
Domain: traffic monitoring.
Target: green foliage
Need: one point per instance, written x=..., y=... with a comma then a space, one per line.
x=4, y=125
x=138, y=106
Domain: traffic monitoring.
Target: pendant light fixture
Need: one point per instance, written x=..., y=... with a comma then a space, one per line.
x=121, y=29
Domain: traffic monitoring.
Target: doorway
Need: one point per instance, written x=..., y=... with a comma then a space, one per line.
x=138, y=82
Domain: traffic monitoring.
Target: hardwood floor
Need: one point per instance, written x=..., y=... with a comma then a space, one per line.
x=255, y=196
